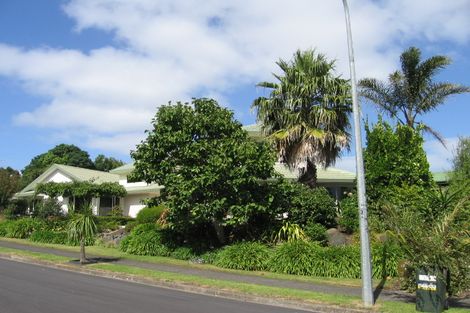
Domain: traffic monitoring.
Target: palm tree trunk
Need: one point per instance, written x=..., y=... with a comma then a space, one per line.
x=308, y=176
x=82, y=251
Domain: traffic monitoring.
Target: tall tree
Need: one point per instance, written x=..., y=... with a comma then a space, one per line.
x=461, y=161
x=9, y=184
x=211, y=170
x=60, y=154
x=307, y=113
x=412, y=92
x=103, y=163
x=394, y=158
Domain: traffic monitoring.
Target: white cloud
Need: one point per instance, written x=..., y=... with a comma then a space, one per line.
x=170, y=50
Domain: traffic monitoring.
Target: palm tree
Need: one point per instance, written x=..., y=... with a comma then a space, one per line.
x=412, y=92
x=81, y=227
x=307, y=113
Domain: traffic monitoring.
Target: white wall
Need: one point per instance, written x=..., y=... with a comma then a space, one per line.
x=58, y=177
x=131, y=204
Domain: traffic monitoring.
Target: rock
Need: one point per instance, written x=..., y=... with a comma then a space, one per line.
x=337, y=238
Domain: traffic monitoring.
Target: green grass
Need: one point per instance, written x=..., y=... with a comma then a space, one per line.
x=252, y=289
x=113, y=252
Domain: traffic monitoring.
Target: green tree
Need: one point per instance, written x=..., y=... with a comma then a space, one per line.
x=103, y=163
x=82, y=227
x=461, y=161
x=411, y=92
x=211, y=170
x=60, y=154
x=9, y=184
x=307, y=113
x=394, y=158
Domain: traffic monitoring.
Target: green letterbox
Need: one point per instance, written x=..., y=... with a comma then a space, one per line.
x=431, y=290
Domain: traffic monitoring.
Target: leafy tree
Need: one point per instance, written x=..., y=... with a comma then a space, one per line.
x=103, y=163
x=307, y=113
x=411, y=92
x=211, y=170
x=394, y=158
x=461, y=161
x=82, y=227
x=9, y=184
x=60, y=154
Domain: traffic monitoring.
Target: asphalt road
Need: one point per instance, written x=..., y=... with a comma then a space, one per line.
x=26, y=288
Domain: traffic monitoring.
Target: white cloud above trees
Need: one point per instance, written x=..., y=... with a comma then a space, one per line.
x=171, y=50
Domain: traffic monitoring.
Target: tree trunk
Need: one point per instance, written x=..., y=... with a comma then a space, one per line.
x=308, y=175
x=82, y=251
x=219, y=230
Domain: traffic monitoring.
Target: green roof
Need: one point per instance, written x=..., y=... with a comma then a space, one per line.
x=124, y=169
x=254, y=131
x=324, y=175
x=441, y=177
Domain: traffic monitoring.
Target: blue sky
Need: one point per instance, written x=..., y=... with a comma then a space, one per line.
x=93, y=72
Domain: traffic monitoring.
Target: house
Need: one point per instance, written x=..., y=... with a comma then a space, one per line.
x=130, y=204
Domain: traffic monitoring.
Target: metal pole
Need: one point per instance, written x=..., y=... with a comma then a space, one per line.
x=366, y=270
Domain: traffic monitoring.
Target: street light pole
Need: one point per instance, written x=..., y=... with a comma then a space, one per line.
x=366, y=270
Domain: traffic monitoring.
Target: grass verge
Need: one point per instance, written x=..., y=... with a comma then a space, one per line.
x=230, y=286
x=115, y=253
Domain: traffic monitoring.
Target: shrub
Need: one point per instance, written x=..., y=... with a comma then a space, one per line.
x=145, y=239
x=311, y=205
x=183, y=253
x=209, y=257
x=293, y=257
x=15, y=208
x=48, y=208
x=252, y=256
x=150, y=214
x=23, y=228
x=4, y=226
x=316, y=232
x=385, y=259
x=349, y=217
x=47, y=236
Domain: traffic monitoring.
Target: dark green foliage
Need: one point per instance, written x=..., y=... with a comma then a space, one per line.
x=24, y=227
x=183, y=253
x=349, y=214
x=105, y=164
x=150, y=214
x=211, y=170
x=442, y=242
x=15, y=208
x=9, y=184
x=461, y=163
x=209, y=257
x=385, y=259
x=308, y=205
x=110, y=223
x=293, y=257
x=145, y=239
x=303, y=205
x=48, y=236
x=316, y=232
x=394, y=160
x=60, y=154
x=306, y=258
x=47, y=208
x=4, y=226
x=250, y=256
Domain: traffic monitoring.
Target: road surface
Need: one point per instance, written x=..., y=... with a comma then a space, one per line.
x=26, y=288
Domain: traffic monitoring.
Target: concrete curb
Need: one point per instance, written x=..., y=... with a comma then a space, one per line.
x=191, y=288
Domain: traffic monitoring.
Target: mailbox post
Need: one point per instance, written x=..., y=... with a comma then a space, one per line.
x=431, y=290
